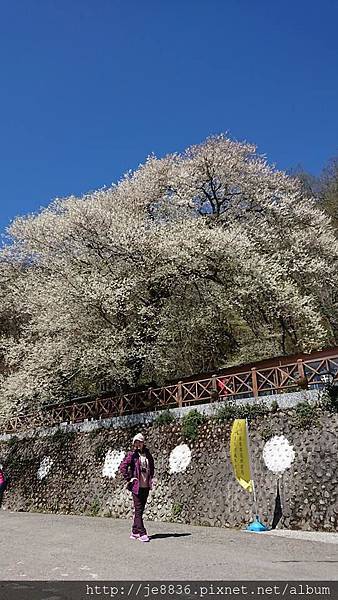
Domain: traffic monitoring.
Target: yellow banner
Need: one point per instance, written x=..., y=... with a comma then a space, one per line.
x=239, y=454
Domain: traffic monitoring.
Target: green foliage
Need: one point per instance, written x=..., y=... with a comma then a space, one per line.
x=329, y=191
x=302, y=383
x=305, y=416
x=226, y=412
x=330, y=399
x=12, y=442
x=63, y=438
x=94, y=508
x=20, y=461
x=274, y=406
x=165, y=417
x=101, y=449
x=190, y=424
x=266, y=432
x=232, y=411
x=333, y=394
x=323, y=188
x=251, y=411
x=93, y=434
x=176, y=509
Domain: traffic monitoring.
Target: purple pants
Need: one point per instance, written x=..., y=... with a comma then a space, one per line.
x=140, y=501
x=2, y=489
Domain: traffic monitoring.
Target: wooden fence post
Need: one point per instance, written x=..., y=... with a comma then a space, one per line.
x=254, y=383
x=214, y=392
x=179, y=394
x=301, y=372
x=149, y=397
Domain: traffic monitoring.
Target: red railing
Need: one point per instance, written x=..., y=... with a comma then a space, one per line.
x=273, y=376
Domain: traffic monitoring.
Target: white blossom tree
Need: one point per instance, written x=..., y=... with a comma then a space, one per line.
x=190, y=262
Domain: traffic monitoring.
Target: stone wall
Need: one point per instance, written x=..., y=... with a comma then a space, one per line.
x=73, y=472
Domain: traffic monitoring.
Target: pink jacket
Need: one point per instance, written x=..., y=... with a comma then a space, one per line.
x=130, y=467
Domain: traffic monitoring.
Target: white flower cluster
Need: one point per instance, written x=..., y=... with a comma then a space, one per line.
x=278, y=454
x=44, y=468
x=112, y=462
x=179, y=459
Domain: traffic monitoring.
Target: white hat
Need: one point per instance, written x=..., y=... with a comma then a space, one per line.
x=138, y=438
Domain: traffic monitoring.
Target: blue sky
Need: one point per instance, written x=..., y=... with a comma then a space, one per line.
x=90, y=88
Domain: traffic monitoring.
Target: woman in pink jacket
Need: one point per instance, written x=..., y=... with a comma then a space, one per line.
x=137, y=469
x=3, y=483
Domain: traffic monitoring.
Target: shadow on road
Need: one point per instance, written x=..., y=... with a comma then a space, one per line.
x=158, y=536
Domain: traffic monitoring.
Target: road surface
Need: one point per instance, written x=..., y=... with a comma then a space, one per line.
x=38, y=546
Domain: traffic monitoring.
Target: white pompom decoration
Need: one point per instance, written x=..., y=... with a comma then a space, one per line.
x=179, y=459
x=112, y=462
x=44, y=468
x=278, y=454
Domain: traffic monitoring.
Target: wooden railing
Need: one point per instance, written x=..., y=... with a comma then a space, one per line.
x=266, y=377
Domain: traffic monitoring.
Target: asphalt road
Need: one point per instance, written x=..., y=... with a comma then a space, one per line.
x=58, y=547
